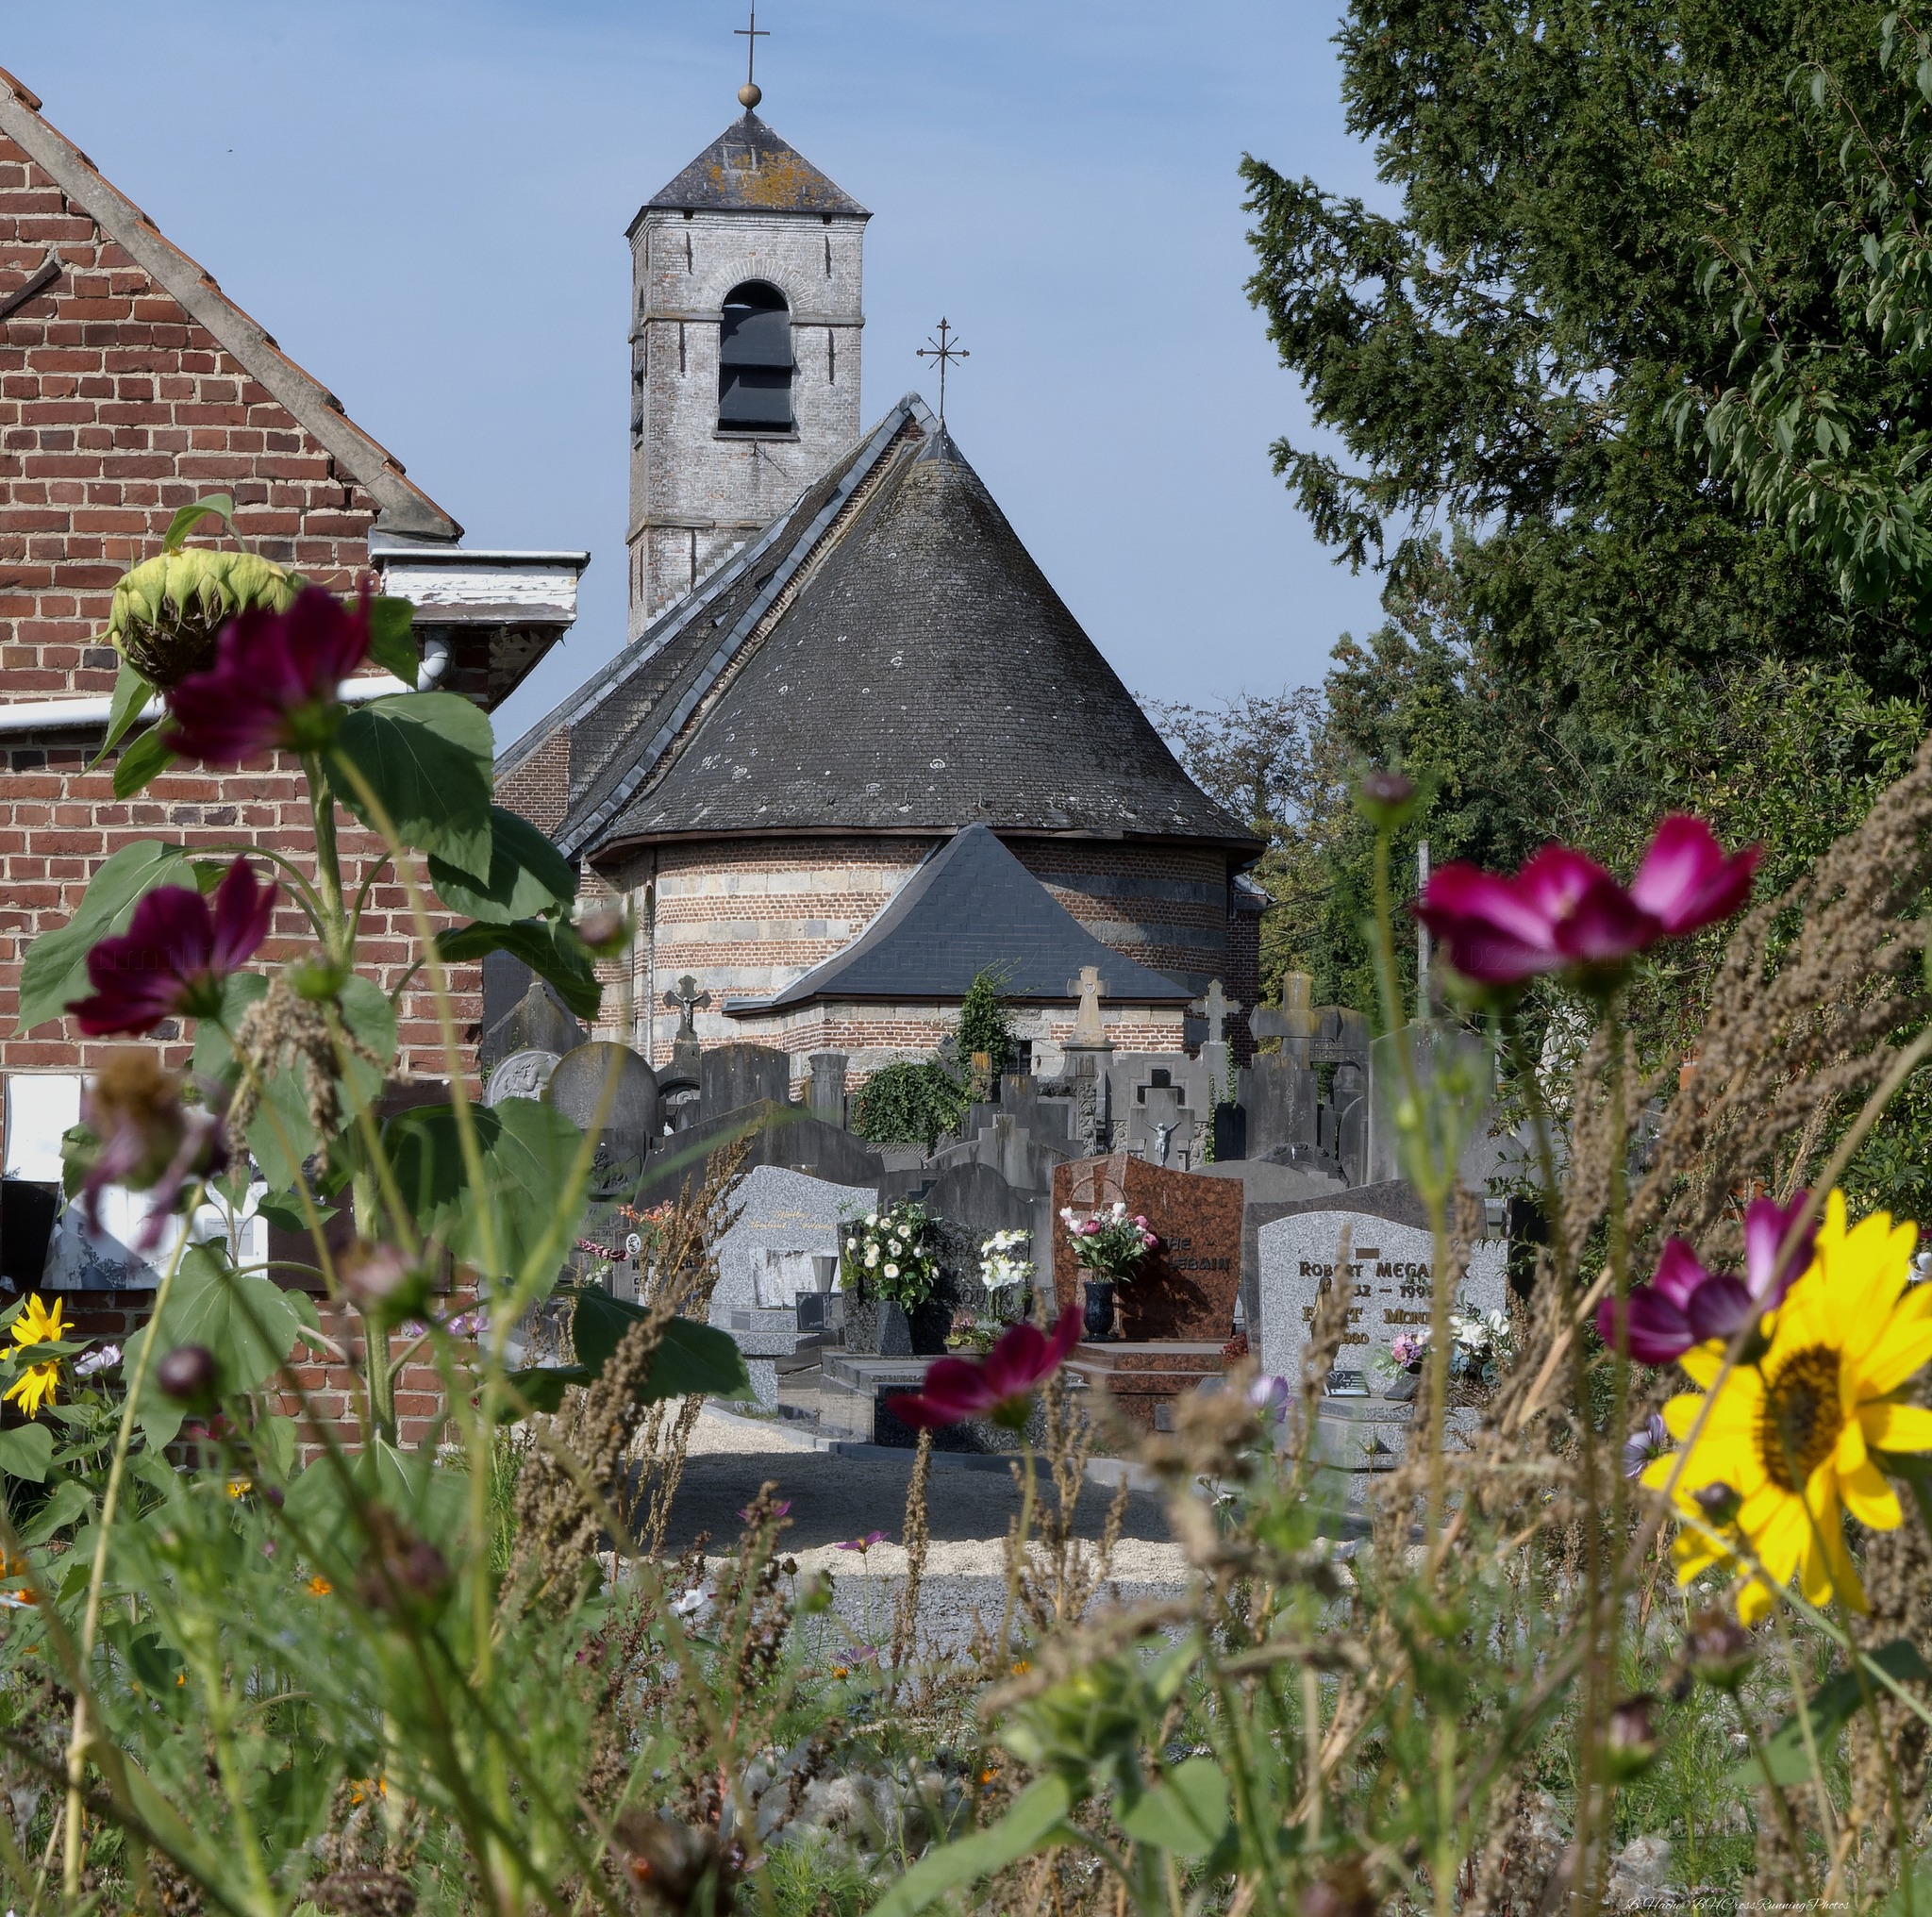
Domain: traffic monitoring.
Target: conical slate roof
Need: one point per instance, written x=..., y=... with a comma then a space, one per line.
x=885, y=658
x=971, y=908
x=749, y=169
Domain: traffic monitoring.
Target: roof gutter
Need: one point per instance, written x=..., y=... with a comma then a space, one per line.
x=91, y=715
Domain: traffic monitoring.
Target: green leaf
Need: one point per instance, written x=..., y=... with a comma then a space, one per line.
x=551, y=950
x=392, y=638
x=528, y=1153
x=71, y=1502
x=280, y=1137
x=693, y=1358
x=141, y=763
x=1186, y=1813
x=26, y=1451
x=1830, y=1707
x=426, y=757
x=281, y=1211
x=543, y=1387
x=212, y=1051
x=528, y=875
x=247, y=1321
x=1037, y=1818
x=217, y=505
x=131, y=694
x=55, y=973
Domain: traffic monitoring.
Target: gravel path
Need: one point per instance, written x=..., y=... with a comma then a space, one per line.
x=836, y=1498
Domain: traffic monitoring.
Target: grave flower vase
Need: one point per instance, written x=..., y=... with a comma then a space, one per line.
x=1098, y=1319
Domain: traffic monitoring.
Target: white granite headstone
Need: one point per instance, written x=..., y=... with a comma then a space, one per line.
x=1390, y=1276
x=787, y=1219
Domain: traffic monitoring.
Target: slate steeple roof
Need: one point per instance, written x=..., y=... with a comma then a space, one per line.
x=886, y=657
x=749, y=169
x=971, y=907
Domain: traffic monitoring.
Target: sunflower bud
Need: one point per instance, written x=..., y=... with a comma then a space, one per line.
x=168, y=611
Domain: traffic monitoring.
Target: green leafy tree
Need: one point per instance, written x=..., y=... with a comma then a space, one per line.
x=986, y=1025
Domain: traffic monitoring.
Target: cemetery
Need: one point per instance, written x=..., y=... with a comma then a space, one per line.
x=812, y=1259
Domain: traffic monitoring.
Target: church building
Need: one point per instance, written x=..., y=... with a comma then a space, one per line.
x=856, y=746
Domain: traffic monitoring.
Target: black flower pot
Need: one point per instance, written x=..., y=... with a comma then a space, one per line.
x=1098, y=1321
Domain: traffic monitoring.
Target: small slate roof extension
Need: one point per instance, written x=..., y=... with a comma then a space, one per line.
x=970, y=908
x=886, y=657
x=749, y=169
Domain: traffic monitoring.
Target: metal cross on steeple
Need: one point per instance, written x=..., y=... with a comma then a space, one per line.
x=750, y=93
x=945, y=352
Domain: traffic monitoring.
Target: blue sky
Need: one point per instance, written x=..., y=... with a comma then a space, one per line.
x=425, y=202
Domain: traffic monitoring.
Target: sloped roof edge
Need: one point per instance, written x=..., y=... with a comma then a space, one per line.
x=780, y=179
x=576, y=834
x=405, y=508
x=974, y=858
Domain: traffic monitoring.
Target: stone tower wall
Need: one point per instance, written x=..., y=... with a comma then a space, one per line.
x=698, y=495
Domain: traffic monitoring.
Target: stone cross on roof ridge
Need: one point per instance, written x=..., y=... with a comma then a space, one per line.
x=1089, y=1029
x=683, y=998
x=1215, y=1007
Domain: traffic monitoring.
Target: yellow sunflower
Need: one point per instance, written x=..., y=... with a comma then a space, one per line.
x=35, y=1325
x=1789, y=1439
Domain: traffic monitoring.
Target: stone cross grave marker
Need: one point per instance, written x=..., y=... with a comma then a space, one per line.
x=1089, y=1032
x=685, y=999
x=1390, y=1276
x=1160, y=1122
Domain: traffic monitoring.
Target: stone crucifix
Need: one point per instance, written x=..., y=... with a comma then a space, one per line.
x=683, y=998
x=1215, y=1007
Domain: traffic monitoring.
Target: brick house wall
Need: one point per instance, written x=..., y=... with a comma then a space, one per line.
x=130, y=387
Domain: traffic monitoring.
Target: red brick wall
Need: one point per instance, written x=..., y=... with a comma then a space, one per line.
x=115, y=410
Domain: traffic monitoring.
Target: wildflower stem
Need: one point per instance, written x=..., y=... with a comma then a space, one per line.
x=329, y=869
x=83, y=1737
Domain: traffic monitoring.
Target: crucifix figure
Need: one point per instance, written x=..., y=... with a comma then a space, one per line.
x=683, y=998
x=1089, y=1032
x=945, y=352
x=751, y=92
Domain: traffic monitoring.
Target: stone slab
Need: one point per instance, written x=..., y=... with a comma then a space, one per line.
x=1145, y=1380
x=1392, y=1274
x=786, y=1220
x=1185, y=1291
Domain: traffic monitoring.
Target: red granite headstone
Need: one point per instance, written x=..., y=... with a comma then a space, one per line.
x=1184, y=1292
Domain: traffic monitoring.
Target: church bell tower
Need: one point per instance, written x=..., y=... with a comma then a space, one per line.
x=747, y=313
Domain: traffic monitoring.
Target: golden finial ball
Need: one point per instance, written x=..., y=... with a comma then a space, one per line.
x=750, y=95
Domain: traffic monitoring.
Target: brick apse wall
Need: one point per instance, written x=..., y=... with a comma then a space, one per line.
x=117, y=407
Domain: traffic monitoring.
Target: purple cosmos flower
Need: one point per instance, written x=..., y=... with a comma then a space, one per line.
x=999, y=1386
x=1650, y=1440
x=1269, y=1396
x=859, y=1544
x=172, y=960
x=1684, y=1305
x=1563, y=913
x=274, y=682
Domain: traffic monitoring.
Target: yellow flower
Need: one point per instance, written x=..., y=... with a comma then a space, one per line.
x=36, y=1324
x=240, y=1487
x=319, y=1586
x=1789, y=1440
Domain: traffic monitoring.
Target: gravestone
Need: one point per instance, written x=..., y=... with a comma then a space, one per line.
x=685, y=999
x=1390, y=1276
x=1160, y=1123
x=610, y=1079
x=521, y=1013
x=523, y=1075
x=789, y=1226
x=739, y=1074
x=827, y=1098
x=1184, y=1290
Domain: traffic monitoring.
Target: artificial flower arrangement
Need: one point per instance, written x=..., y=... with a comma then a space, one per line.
x=1005, y=1274
x=1110, y=1243
x=890, y=1254
x=1481, y=1347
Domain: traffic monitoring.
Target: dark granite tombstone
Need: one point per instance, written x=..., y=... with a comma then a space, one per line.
x=739, y=1074
x=977, y=1198
x=520, y=1013
x=781, y=1135
x=828, y=1094
x=613, y=1080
